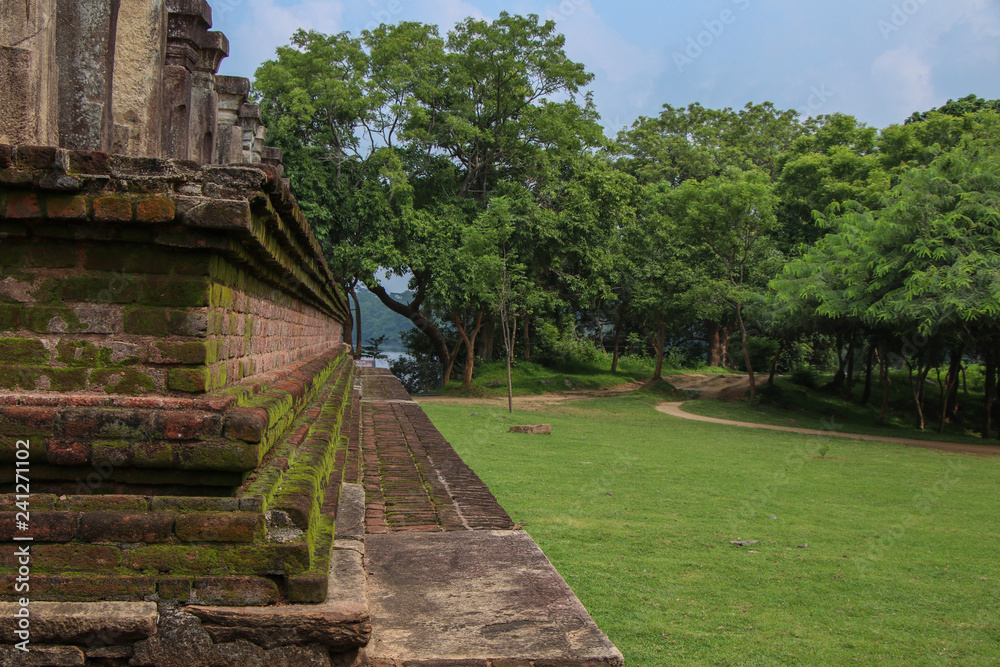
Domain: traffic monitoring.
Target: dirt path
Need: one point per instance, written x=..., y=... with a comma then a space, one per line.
x=726, y=387
x=674, y=410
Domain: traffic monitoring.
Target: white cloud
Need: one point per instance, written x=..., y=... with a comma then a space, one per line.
x=903, y=79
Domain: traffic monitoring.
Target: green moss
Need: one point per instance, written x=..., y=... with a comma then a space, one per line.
x=18, y=377
x=48, y=291
x=12, y=255
x=188, y=353
x=175, y=291
x=146, y=321
x=188, y=380
x=153, y=455
x=108, y=288
x=26, y=351
x=220, y=455
x=174, y=559
x=66, y=379
x=50, y=319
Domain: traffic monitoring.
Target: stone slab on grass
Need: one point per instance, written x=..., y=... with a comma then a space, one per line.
x=533, y=429
x=470, y=597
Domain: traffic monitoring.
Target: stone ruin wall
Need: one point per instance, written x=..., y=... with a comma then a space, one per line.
x=171, y=339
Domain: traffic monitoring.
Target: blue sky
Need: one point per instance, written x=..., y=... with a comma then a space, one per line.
x=879, y=60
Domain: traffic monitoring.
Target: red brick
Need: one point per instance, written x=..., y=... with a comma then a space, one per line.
x=66, y=206
x=155, y=209
x=188, y=425
x=246, y=424
x=145, y=527
x=174, y=588
x=36, y=157
x=235, y=591
x=112, y=209
x=83, y=587
x=42, y=526
x=89, y=162
x=62, y=557
x=236, y=527
x=62, y=453
x=29, y=416
x=23, y=205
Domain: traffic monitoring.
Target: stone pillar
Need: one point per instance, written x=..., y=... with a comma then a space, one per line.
x=138, y=82
x=254, y=132
x=272, y=156
x=29, y=74
x=204, y=99
x=190, y=105
x=85, y=51
x=232, y=92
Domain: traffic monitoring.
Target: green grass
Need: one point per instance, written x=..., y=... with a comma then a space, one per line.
x=793, y=405
x=533, y=379
x=637, y=510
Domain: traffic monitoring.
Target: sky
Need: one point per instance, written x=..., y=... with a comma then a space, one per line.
x=878, y=60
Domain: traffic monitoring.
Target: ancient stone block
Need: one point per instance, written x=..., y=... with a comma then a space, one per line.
x=85, y=49
x=533, y=429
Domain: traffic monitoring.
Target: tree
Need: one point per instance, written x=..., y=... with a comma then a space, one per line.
x=733, y=216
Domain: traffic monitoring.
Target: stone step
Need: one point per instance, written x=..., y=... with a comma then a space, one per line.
x=475, y=599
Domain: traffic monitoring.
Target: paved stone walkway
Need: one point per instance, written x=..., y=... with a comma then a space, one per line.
x=414, y=480
x=450, y=583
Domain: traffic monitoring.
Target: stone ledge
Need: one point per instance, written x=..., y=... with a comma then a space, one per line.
x=342, y=622
x=476, y=599
x=83, y=622
x=351, y=513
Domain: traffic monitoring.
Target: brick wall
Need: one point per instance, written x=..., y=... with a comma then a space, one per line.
x=171, y=345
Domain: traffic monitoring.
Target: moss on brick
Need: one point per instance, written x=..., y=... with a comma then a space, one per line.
x=12, y=255
x=48, y=291
x=18, y=377
x=167, y=558
x=175, y=291
x=26, y=351
x=50, y=319
x=220, y=455
x=146, y=321
x=65, y=379
x=188, y=380
x=108, y=288
x=126, y=381
x=10, y=317
x=52, y=255
x=198, y=352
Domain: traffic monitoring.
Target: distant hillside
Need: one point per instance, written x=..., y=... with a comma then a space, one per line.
x=377, y=320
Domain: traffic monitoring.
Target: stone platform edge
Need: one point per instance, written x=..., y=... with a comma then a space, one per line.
x=151, y=634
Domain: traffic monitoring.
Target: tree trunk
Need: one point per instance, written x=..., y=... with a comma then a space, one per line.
x=851, y=349
x=508, y=338
x=484, y=348
x=838, y=377
x=746, y=353
x=866, y=395
x=716, y=352
x=661, y=342
x=357, y=323
x=412, y=311
x=527, y=339
x=452, y=357
x=917, y=387
x=614, y=358
x=883, y=366
x=949, y=403
x=989, y=396
x=470, y=346
x=774, y=361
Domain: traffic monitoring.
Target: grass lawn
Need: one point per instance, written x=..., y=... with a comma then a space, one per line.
x=878, y=554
